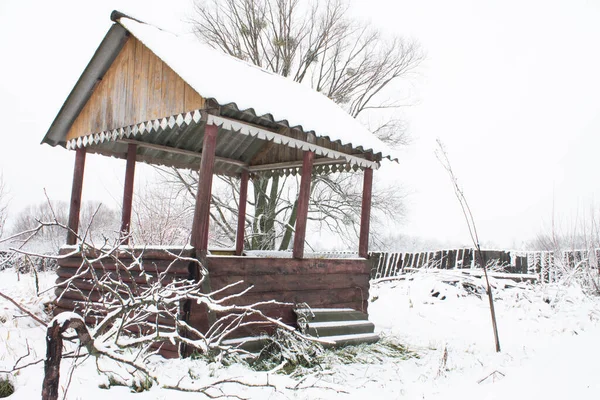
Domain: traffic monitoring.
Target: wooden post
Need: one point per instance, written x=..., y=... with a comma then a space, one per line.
x=54, y=344
x=76, y=189
x=303, y=198
x=200, y=225
x=128, y=192
x=239, y=239
x=365, y=214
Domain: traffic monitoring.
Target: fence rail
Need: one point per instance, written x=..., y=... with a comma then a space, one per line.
x=547, y=264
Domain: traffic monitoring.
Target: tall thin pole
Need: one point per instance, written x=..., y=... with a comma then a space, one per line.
x=76, y=190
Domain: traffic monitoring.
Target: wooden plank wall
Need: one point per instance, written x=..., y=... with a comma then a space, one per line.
x=154, y=263
x=137, y=87
x=544, y=263
x=317, y=282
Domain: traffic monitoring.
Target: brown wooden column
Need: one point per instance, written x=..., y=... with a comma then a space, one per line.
x=76, y=189
x=202, y=211
x=241, y=224
x=303, y=198
x=365, y=214
x=128, y=192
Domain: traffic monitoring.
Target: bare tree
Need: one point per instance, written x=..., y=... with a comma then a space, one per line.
x=162, y=216
x=99, y=219
x=318, y=44
x=442, y=157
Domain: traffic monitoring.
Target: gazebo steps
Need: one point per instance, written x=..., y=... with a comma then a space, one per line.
x=352, y=340
x=331, y=314
x=342, y=326
x=255, y=344
x=337, y=328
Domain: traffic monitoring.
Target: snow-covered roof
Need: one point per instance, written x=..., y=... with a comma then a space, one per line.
x=265, y=121
x=216, y=75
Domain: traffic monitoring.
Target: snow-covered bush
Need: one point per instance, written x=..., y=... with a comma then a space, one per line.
x=24, y=264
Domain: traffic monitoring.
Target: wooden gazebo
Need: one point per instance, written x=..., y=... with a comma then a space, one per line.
x=148, y=95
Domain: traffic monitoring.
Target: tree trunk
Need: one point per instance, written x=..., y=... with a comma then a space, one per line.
x=260, y=185
x=263, y=237
x=271, y=207
x=287, y=236
x=52, y=362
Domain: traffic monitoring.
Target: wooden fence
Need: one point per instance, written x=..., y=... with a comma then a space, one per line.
x=546, y=264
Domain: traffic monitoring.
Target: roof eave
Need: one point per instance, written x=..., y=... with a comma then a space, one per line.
x=103, y=58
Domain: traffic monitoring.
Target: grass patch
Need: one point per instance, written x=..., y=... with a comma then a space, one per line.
x=290, y=355
x=287, y=353
x=6, y=387
x=375, y=353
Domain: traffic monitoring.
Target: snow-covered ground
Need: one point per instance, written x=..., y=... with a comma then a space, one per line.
x=549, y=337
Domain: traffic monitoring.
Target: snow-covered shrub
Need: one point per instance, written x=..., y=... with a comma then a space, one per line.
x=24, y=264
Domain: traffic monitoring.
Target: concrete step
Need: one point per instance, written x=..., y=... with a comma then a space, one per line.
x=336, y=328
x=352, y=340
x=343, y=326
x=330, y=314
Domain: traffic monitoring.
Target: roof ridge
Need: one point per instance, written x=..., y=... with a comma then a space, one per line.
x=116, y=15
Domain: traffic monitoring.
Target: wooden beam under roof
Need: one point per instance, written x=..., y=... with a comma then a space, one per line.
x=184, y=152
x=295, y=164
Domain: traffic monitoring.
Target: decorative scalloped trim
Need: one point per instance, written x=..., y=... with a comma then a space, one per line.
x=133, y=131
x=264, y=134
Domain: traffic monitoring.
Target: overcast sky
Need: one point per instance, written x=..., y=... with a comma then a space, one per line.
x=511, y=87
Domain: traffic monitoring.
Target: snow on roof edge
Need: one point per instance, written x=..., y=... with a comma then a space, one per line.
x=251, y=87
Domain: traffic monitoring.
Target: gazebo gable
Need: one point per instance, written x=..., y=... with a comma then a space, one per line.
x=137, y=87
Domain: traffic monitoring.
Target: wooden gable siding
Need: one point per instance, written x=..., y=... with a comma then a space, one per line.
x=137, y=87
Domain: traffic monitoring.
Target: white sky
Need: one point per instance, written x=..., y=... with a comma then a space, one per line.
x=511, y=87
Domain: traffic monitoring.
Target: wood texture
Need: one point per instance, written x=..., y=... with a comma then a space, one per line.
x=365, y=214
x=201, y=222
x=137, y=87
x=291, y=283
x=241, y=223
x=317, y=282
x=148, y=252
x=178, y=268
x=303, y=198
x=128, y=192
x=154, y=262
x=76, y=190
x=219, y=266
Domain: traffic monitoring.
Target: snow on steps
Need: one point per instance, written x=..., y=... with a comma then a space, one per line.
x=336, y=328
x=341, y=326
